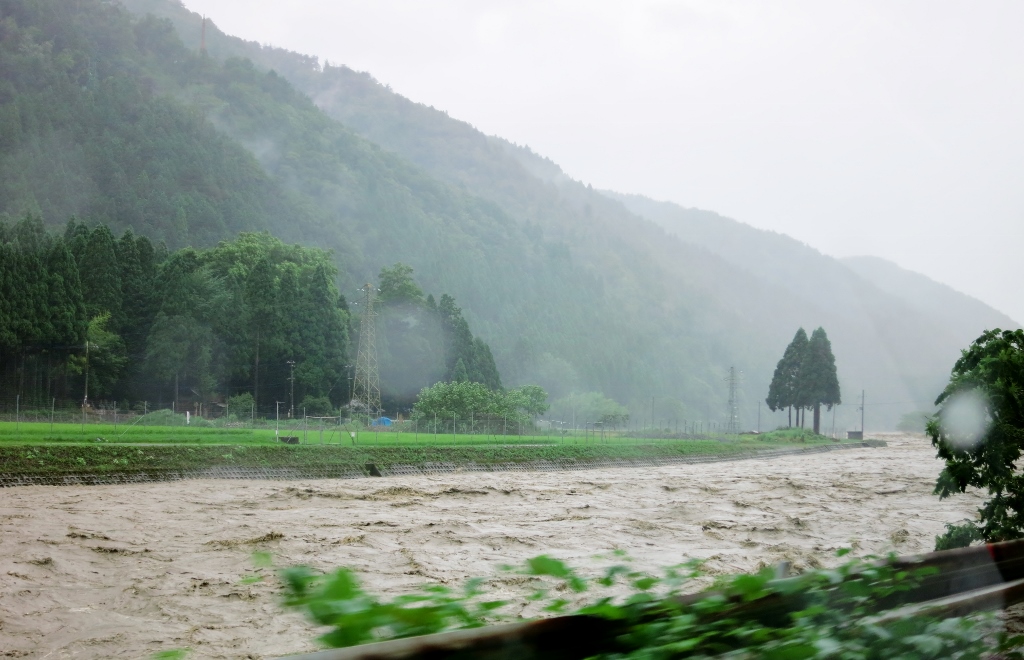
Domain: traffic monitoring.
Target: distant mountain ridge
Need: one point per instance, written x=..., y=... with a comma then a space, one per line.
x=783, y=260
x=573, y=289
x=955, y=309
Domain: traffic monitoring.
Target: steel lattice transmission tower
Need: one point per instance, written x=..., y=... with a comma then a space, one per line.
x=366, y=389
x=733, y=425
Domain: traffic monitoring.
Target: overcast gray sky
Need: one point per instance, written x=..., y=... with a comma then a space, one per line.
x=888, y=128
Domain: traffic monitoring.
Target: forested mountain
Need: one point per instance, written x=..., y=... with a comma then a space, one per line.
x=881, y=311
x=570, y=289
x=613, y=307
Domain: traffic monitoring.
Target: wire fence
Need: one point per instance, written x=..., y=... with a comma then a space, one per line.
x=116, y=420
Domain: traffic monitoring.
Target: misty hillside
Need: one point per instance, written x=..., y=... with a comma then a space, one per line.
x=148, y=112
x=957, y=311
x=915, y=318
x=571, y=289
x=815, y=277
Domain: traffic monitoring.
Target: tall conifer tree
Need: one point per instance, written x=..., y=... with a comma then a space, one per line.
x=819, y=382
x=101, y=278
x=784, y=391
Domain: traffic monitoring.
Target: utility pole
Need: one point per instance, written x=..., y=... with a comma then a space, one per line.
x=291, y=377
x=734, y=410
x=85, y=399
x=277, y=415
x=366, y=388
x=862, y=413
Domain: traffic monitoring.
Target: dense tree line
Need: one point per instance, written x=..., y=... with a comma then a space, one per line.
x=119, y=318
x=423, y=341
x=805, y=378
x=85, y=313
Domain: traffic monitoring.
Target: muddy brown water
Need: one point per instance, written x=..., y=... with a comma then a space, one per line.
x=122, y=571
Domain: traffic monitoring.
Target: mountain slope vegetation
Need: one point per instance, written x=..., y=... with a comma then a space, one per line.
x=570, y=288
x=910, y=317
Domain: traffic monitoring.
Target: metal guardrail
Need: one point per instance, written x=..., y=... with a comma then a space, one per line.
x=968, y=580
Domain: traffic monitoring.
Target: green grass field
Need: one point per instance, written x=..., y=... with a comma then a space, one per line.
x=36, y=448
x=45, y=433
x=65, y=433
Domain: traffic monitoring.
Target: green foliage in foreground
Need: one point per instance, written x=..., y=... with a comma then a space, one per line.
x=832, y=613
x=987, y=384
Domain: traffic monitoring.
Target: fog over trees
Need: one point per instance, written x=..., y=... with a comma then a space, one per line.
x=116, y=119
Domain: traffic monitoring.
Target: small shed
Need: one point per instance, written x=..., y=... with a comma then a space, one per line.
x=382, y=421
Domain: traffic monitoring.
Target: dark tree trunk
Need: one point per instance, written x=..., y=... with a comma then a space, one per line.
x=789, y=424
x=817, y=418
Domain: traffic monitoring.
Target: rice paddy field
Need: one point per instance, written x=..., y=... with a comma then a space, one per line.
x=323, y=433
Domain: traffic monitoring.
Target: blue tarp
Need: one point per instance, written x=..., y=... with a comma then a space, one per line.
x=382, y=421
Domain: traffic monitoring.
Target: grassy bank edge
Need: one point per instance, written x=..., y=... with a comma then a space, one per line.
x=108, y=459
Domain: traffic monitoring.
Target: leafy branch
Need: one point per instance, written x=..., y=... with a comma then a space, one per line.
x=833, y=613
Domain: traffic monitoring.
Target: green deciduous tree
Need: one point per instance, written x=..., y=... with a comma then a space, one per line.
x=579, y=409
x=458, y=399
x=531, y=399
x=398, y=286
x=979, y=433
x=465, y=399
